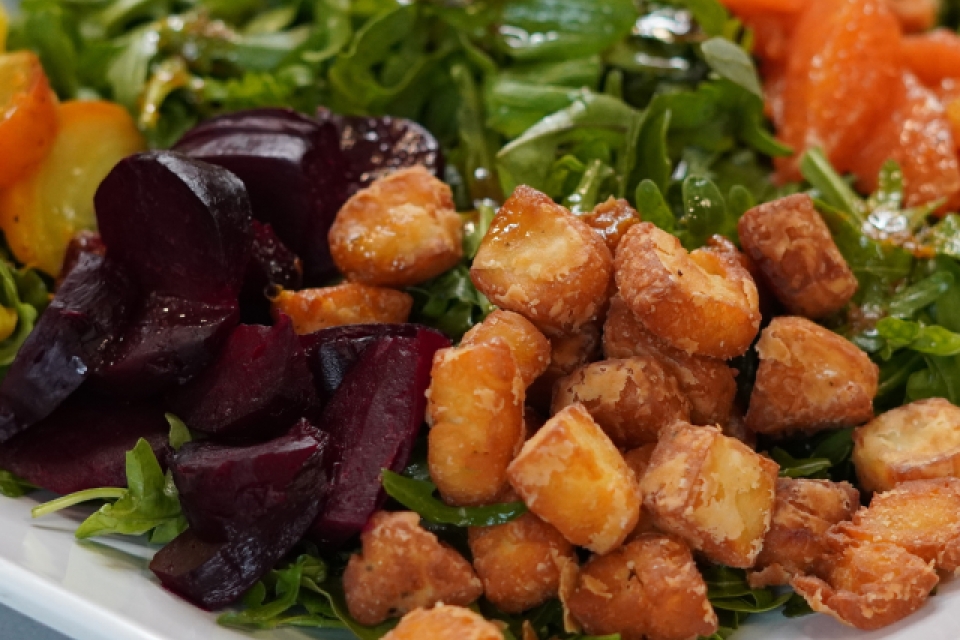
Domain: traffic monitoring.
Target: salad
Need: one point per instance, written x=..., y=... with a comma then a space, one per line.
x=674, y=284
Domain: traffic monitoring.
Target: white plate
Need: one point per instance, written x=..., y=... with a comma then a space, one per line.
x=103, y=590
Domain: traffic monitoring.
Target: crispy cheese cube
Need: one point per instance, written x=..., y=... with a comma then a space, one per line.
x=544, y=263
x=403, y=567
x=809, y=379
x=631, y=399
x=475, y=410
x=711, y=490
x=400, y=231
x=567, y=353
x=801, y=263
x=922, y=516
x=649, y=588
x=803, y=513
x=708, y=383
x=639, y=460
x=444, y=622
x=918, y=440
x=571, y=475
x=867, y=585
x=612, y=219
x=530, y=348
x=519, y=562
x=350, y=303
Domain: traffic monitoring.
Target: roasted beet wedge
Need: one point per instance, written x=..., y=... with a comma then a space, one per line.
x=69, y=342
x=213, y=574
x=374, y=147
x=83, y=445
x=373, y=419
x=271, y=265
x=224, y=490
x=168, y=342
x=293, y=169
x=180, y=226
x=83, y=242
x=258, y=386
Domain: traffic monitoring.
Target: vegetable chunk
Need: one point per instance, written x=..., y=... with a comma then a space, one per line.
x=809, y=379
x=403, y=567
x=793, y=247
x=544, y=263
x=915, y=441
x=530, y=348
x=631, y=399
x=571, y=475
x=444, y=622
x=803, y=513
x=349, y=303
x=708, y=383
x=649, y=588
x=703, y=303
x=400, y=231
x=922, y=516
x=475, y=410
x=711, y=490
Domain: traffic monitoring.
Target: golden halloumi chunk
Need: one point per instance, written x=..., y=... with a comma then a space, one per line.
x=530, y=348
x=349, y=303
x=444, y=622
x=612, y=219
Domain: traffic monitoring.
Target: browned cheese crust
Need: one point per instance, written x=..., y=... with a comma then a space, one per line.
x=444, y=622
x=350, y=303
x=530, y=348
x=611, y=220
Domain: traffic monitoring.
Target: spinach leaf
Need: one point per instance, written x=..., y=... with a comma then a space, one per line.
x=417, y=495
x=12, y=486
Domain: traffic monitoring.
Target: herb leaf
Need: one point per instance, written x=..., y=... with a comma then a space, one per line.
x=13, y=486
x=733, y=63
x=417, y=495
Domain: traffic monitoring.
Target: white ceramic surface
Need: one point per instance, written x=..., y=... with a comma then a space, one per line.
x=103, y=590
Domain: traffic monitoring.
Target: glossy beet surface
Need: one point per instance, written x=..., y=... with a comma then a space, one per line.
x=167, y=342
x=258, y=385
x=293, y=169
x=373, y=419
x=68, y=343
x=223, y=489
x=83, y=242
x=181, y=227
x=216, y=573
x=83, y=445
x=271, y=265
x=374, y=147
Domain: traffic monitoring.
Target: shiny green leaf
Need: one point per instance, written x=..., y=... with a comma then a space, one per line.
x=417, y=495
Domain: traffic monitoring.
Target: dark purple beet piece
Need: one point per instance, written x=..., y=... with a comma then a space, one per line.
x=271, y=265
x=83, y=445
x=82, y=242
x=374, y=147
x=224, y=489
x=258, y=385
x=68, y=343
x=215, y=574
x=181, y=226
x=293, y=169
x=168, y=342
x=373, y=419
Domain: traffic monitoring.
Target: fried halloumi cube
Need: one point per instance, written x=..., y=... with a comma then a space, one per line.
x=400, y=231
x=922, y=516
x=444, y=622
x=809, y=379
x=567, y=353
x=475, y=411
x=403, y=567
x=571, y=475
x=543, y=262
x=703, y=302
x=631, y=399
x=612, y=219
x=867, y=585
x=349, y=303
x=803, y=513
x=800, y=262
x=649, y=588
x=713, y=491
x=530, y=348
x=519, y=562
x=918, y=440
x=708, y=383
x=639, y=460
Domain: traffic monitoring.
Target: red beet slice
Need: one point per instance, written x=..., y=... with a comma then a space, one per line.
x=374, y=419
x=271, y=265
x=181, y=226
x=259, y=385
x=67, y=344
x=82, y=242
x=224, y=490
x=374, y=147
x=168, y=342
x=293, y=169
x=215, y=574
x=83, y=445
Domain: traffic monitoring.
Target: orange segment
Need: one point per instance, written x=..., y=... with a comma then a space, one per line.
x=932, y=57
x=28, y=115
x=41, y=212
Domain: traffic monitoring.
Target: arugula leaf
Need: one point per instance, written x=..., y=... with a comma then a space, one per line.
x=705, y=213
x=179, y=433
x=588, y=192
x=731, y=62
x=417, y=495
x=791, y=467
x=23, y=297
x=653, y=208
x=476, y=227
x=13, y=486
x=927, y=339
x=450, y=302
x=832, y=188
x=797, y=607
